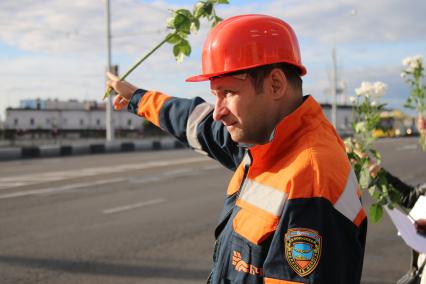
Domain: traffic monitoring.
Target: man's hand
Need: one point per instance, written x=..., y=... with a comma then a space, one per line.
x=123, y=89
x=421, y=226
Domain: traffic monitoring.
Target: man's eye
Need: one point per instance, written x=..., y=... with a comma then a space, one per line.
x=229, y=93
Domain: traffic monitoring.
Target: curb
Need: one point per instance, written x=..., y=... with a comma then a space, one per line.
x=48, y=151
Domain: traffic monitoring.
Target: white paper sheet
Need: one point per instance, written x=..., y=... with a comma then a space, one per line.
x=407, y=230
x=419, y=209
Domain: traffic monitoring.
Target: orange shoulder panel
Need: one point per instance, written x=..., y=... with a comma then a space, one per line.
x=150, y=106
x=318, y=169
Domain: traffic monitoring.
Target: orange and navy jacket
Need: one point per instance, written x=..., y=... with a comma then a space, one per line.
x=292, y=211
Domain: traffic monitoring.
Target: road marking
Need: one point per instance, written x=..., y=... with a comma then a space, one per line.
x=213, y=167
x=24, y=180
x=51, y=190
x=407, y=147
x=132, y=206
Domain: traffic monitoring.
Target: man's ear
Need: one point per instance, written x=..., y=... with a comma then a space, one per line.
x=278, y=83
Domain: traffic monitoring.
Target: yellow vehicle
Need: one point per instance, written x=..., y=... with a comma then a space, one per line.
x=394, y=123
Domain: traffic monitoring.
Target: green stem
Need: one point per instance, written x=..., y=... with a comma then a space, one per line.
x=109, y=89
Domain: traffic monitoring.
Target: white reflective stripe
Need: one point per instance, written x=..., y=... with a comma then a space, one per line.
x=348, y=203
x=247, y=159
x=264, y=197
x=194, y=119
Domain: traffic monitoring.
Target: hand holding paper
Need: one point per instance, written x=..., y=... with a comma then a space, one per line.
x=406, y=226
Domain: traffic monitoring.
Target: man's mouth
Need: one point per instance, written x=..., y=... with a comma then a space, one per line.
x=228, y=124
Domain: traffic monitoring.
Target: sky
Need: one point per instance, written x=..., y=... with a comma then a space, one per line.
x=57, y=48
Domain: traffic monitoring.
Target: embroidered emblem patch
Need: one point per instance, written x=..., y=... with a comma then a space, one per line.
x=302, y=250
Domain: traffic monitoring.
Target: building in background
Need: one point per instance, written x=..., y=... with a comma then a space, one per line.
x=343, y=117
x=40, y=118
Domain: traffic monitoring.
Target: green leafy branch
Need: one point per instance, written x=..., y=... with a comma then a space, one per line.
x=182, y=23
x=414, y=76
x=362, y=154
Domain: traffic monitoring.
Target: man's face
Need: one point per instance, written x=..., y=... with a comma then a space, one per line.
x=243, y=111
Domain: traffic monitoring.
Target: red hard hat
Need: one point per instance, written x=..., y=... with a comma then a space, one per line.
x=248, y=41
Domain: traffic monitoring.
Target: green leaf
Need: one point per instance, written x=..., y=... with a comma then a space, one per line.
x=174, y=38
x=223, y=2
x=176, y=50
x=376, y=213
x=372, y=190
x=199, y=9
x=185, y=13
x=181, y=50
x=394, y=195
x=364, y=179
x=185, y=47
x=376, y=154
x=181, y=20
x=216, y=20
x=208, y=8
x=195, y=26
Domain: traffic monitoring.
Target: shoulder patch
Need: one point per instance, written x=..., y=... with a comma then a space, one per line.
x=302, y=250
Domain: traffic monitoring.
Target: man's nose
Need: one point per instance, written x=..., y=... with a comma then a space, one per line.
x=220, y=110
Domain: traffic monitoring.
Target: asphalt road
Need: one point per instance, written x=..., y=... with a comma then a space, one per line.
x=143, y=218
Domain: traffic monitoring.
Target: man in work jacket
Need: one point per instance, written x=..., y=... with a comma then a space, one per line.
x=292, y=211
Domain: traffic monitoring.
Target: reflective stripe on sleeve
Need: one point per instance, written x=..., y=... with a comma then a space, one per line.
x=200, y=112
x=264, y=197
x=348, y=203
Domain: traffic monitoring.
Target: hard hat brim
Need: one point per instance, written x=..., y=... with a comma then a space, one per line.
x=206, y=77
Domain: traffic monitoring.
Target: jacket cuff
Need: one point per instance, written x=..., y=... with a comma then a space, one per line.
x=135, y=99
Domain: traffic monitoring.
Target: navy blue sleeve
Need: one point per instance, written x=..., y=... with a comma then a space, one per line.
x=191, y=122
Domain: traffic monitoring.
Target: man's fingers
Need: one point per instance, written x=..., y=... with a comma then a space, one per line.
x=112, y=77
x=120, y=102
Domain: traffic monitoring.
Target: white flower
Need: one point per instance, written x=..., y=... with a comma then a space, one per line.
x=406, y=61
x=379, y=89
x=403, y=75
x=368, y=89
x=364, y=90
x=360, y=127
x=374, y=103
x=418, y=58
x=412, y=63
x=352, y=99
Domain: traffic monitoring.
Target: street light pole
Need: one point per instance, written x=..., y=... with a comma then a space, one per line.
x=334, y=89
x=108, y=120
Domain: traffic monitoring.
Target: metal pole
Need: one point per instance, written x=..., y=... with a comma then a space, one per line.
x=334, y=89
x=108, y=120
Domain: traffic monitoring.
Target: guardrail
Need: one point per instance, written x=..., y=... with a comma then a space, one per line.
x=30, y=152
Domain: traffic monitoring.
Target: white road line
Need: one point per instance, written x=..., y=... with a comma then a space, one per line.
x=213, y=167
x=24, y=180
x=132, y=206
x=407, y=147
x=60, y=188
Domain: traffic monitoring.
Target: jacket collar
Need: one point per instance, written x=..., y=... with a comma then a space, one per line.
x=307, y=116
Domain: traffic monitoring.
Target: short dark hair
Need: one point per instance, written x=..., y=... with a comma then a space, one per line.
x=292, y=74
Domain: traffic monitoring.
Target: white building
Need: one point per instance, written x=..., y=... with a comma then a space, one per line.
x=343, y=117
x=75, y=116
x=71, y=118
x=68, y=119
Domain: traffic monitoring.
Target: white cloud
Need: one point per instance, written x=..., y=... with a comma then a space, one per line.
x=66, y=41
